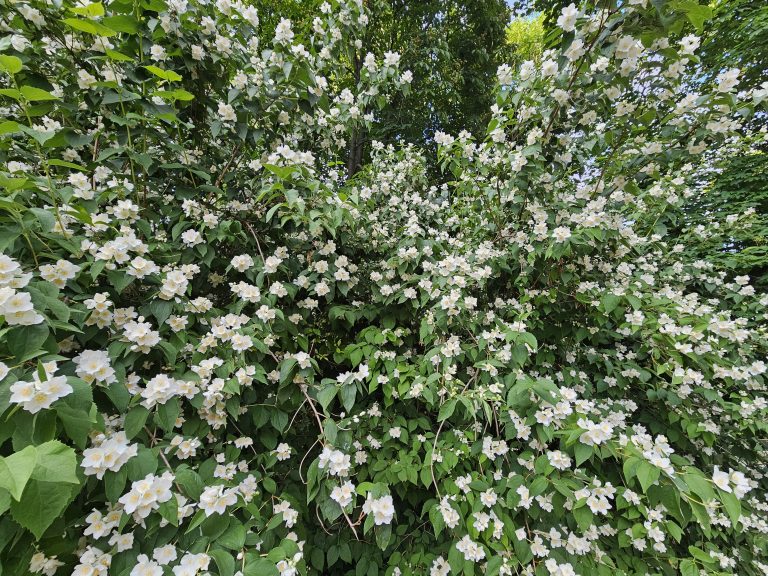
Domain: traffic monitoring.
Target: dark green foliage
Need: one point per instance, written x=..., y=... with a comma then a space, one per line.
x=743, y=248
x=737, y=37
x=453, y=49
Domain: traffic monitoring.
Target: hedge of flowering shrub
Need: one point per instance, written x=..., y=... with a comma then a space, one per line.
x=221, y=355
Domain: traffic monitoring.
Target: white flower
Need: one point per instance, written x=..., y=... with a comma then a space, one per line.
x=37, y=394
x=343, y=494
x=382, y=509
x=17, y=308
x=283, y=32
x=283, y=451
x=559, y=460
x=561, y=233
x=108, y=453
x=94, y=366
x=335, y=461
x=40, y=564
x=303, y=359
x=689, y=44
x=488, y=498
x=164, y=554
x=191, y=237
x=146, y=567
x=726, y=81
x=147, y=494
x=215, y=499
x=158, y=53
x=242, y=262
x=141, y=334
x=472, y=551
x=721, y=480
x=59, y=273
x=140, y=267
x=567, y=18
x=227, y=112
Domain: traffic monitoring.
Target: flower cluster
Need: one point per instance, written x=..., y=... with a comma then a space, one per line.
x=42, y=391
x=499, y=358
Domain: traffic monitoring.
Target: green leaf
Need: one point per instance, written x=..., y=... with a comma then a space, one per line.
x=647, y=474
x=65, y=164
x=167, y=414
x=11, y=93
x=10, y=64
x=224, y=561
x=56, y=462
x=170, y=510
x=177, y=94
x=688, y=568
x=77, y=424
x=191, y=482
x=583, y=516
x=16, y=470
x=33, y=94
x=122, y=23
x=330, y=430
x=27, y=341
x=119, y=280
x=700, y=486
x=145, y=462
x=161, y=309
x=260, y=567
x=233, y=538
x=383, y=535
x=447, y=409
x=119, y=57
x=348, y=392
x=91, y=10
x=168, y=75
x=582, y=453
x=9, y=127
x=695, y=12
x=114, y=484
x=326, y=395
x=732, y=505
x=41, y=504
x=89, y=27
x=5, y=503
x=135, y=421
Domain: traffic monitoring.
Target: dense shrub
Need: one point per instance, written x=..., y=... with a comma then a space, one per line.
x=219, y=355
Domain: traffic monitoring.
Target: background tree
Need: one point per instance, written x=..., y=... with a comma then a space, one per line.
x=453, y=50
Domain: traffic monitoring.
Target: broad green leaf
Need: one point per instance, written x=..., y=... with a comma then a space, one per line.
x=169, y=75
x=260, y=567
x=65, y=164
x=41, y=504
x=119, y=57
x=122, y=23
x=33, y=94
x=732, y=505
x=89, y=27
x=16, y=470
x=10, y=64
x=27, y=341
x=90, y=11
x=326, y=395
x=135, y=421
x=233, y=538
x=11, y=93
x=9, y=127
x=647, y=474
x=56, y=462
x=447, y=409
